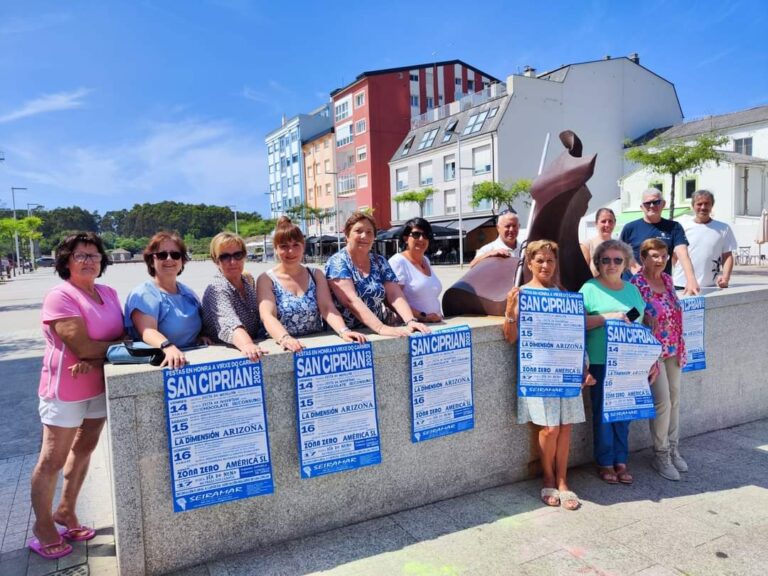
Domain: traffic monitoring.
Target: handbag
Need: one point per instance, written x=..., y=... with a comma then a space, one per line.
x=135, y=353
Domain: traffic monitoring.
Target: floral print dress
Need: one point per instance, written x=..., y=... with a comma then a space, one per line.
x=299, y=315
x=665, y=308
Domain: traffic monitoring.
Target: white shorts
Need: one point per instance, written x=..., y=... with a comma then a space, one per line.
x=71, y=414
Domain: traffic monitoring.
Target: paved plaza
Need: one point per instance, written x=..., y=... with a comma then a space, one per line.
x=714, y=521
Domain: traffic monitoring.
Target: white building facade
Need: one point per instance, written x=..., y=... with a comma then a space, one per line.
x=739, y=182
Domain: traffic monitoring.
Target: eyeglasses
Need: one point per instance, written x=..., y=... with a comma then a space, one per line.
x=227, y=256
x=420, y=235
x=508, y=211
x=615, y=261
x=83, y=257
x=650, y=203
x=174, y=254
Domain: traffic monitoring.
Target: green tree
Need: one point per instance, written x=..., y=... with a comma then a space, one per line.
x=676, y=157
x=499, y=194
x=418, y=197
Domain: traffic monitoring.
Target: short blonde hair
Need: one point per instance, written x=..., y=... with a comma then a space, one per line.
x=223, y=238
x=537, y=246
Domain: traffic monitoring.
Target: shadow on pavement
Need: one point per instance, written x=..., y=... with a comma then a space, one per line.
x=19, y=421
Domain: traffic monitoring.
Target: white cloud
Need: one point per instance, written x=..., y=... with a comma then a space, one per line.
x=47, y=103
x=191, y=161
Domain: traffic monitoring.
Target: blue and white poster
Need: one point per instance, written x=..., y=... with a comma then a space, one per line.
x=441, y=383
x=336, y=409
x=551, y=340
x=693, y=333
x=217, y=433
x=631, y=351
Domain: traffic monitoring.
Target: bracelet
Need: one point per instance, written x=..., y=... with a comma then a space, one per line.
x=283, y=337
x=344, y=330
x=409, y=321
x=510, y=320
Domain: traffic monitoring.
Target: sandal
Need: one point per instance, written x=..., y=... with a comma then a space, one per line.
x=622, y=475
x=569, y=500
x=547, y=495
x=608, y=475
x=46, y=550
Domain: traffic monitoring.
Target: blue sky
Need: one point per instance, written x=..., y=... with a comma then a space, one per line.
x=106, y=104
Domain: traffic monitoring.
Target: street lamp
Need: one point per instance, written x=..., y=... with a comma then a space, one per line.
x=233, y=207
x=335, y=207
x=15, y=231
x=459, y=168
x=31, y=207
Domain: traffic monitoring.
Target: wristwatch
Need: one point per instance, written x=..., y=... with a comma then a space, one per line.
x=165, y=344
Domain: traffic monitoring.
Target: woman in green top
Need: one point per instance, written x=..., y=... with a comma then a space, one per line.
x=608, y=297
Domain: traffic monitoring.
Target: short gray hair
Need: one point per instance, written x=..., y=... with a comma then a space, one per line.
x=612, y=244
x=653, y=192
x=705, y=193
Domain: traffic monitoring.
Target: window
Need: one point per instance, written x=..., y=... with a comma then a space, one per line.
x=342, y=110
x=458, y=81
x=362, y=181
x=470, y=85
x=359, y=99
x=493, y=111
x=360, y=126
x=343, y=135
x=430, y=102
x=743, y=146
x=449, y=168
x=425, y=173
x=428, y=207
x=426, y=139
x=414, y=101
x=690, y=187
x=271, y=148
x=475, y=123
x=347, y=183
x=402, y=178
x=450, y=201
x=362, y=153
x=407, y=145
x=414, y=77
x=481, y=160
x=327, y=189
x=658, y=185
x=450, y=129
x=326, y=143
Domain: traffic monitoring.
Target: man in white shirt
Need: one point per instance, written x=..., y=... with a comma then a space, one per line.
x=711, y=244
x=508, y=227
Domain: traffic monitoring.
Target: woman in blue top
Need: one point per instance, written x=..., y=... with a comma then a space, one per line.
x=293, y=299
x=161, y=311
x=363, y=283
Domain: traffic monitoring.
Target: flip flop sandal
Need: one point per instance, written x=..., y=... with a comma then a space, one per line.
x=547, y=493
x=608, y=476
x=623, y=476
x=79, y=534
x=44, y=549
x=568, y=496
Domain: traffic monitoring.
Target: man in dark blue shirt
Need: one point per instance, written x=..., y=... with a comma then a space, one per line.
x=652, y=225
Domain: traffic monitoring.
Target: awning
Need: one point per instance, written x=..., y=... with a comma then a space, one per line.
x=324, y=239
x=439, y=233
x=470, y=224
x=626, y=217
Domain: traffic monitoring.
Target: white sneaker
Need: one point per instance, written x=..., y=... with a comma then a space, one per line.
x=663, y=465
x=678, y=462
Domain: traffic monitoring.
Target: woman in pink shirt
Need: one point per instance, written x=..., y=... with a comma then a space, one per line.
x=81, y=319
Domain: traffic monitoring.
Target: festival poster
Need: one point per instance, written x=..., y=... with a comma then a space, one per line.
x=441, y=383
x=336, y=409
x=693, y=332
x=631, y=350
x=217, y=433
x=552, y=335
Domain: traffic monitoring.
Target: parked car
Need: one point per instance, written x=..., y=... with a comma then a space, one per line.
x=45, y=262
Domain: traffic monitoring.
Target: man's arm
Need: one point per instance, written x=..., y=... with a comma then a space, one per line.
x=691, y=285
x=725, y=278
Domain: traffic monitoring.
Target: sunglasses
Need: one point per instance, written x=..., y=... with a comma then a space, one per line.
x=652, y=203
x=83, y=257
x=227, y=256
x=615, y=261
x=175, y=255
x=420, y=235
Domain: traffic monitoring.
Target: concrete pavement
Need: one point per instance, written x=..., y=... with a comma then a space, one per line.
x=715, y=521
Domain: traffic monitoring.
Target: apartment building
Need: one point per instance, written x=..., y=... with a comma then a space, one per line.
x=319, y=163
x=287, y=182
x=372, y=115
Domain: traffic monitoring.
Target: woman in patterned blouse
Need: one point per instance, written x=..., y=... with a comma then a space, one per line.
x=665, y=316
x=230, y=310
x=364, y=283
x=293, y=299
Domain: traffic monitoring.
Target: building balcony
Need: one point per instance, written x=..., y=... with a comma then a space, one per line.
x=496, y=90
